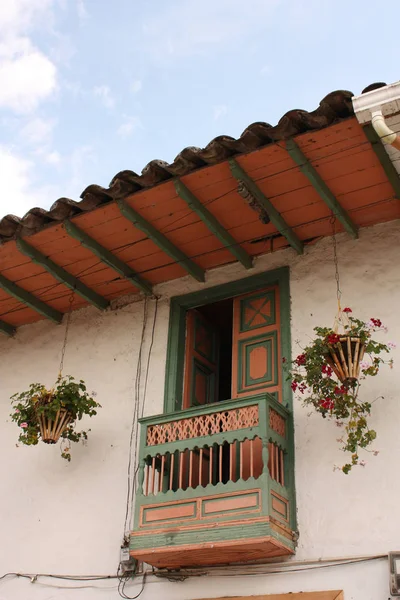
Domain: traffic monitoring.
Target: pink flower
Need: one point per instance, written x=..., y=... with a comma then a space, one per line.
x=17, y=411
x=24, y=425
x=364, y=364
x=392, y=345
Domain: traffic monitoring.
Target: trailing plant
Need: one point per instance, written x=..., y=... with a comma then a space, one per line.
x=49, y=415
x=328, y=373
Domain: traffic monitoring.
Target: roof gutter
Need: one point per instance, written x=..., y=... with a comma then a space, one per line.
x=374, y=105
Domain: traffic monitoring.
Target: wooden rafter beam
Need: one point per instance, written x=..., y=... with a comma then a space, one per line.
x=30, y=300
x=62, y=275
x=276, y=219
x=107, y=257
x=213, y=224
x=7, y=329
x=160, y=240
x=320, y=187
x=383, y=158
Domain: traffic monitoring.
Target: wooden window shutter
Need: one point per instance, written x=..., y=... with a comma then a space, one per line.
x=201, y=361
x=256, y=352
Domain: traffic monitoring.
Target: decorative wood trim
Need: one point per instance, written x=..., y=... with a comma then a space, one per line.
x=276, y=219
x=383, y=158
x=160, y=240
x=326, y=595
x=205, y=525
x=107, y=257
x=320, y=187
x=177, y=323
x=62, y=275
x=213, y=224
x=30, y=300
x=7, y=329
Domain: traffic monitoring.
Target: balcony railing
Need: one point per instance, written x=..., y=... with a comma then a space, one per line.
x=215, y=485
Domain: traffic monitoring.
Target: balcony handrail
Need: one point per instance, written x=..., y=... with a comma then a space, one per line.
x=216, y=407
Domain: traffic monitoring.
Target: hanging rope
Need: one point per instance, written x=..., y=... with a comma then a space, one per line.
x=71, y=300
x=332, y=221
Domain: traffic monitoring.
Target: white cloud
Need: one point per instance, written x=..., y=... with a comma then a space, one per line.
x=129, y=125
x=104, y=93
x=37, y=132
x=220, y=111
x=81, y=10
x=136, y=86
x=27, y=75
x=187, y=27
x=53, y=158
x=19, y=192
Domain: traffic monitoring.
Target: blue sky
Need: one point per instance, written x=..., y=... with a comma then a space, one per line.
x=91, y=87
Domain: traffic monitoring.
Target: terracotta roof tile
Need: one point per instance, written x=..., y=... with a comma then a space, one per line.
x=335, y=107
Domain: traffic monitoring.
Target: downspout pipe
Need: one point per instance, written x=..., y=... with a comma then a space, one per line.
x=387, y=135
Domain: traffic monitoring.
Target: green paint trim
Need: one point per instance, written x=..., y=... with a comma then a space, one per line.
x=269, y=297
x=7, y=329
x=177, y=324
x=161, y=241
x=269, y=338
x=213, y=224
x=30, y=300
x=208, y=534
x=383, y=158
x=107, y=257
x=320, y=187
x=276, y=219
x=62, y=275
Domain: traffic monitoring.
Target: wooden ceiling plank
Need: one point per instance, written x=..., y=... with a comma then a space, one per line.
x=276, y=219
x=108, y=257
x=62, y=275
x=7, y=329
x=161, y=241
x=383, y=158
x=213, y=224
x=30, y=300
x=320, y=187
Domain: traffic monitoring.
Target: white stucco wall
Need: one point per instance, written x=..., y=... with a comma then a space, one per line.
x=65, y=518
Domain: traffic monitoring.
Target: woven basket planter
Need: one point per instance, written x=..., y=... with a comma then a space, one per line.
x=51, y=429
x=345, y=358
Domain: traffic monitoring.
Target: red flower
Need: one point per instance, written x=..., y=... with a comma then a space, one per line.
x=347, y=310
x=302, y=388
x=333, y=338
x=327, y=404
x=340, y=390
x=283, y=359
x=327, y=370
x=293, y=385
x=376, y=322
x=301, y=359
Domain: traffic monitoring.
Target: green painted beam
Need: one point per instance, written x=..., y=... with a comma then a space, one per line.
x=383, y=158
x=213, y=224
x=30, y=300
x=276, y=219
x=161, y=241
x=7, y=329
x=107, y=257
x=320, y=187
x=62, y=275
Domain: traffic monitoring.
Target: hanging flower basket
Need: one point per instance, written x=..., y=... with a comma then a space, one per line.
x=345, y=357
x=50, y=415
x=52, y=429
x=327, y=376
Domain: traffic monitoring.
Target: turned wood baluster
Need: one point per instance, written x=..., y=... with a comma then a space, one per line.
x=142, y=466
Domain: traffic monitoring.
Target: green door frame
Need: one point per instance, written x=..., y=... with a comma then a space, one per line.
x=177, y=328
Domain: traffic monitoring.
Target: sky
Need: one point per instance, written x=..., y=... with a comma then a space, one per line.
x=89, y=88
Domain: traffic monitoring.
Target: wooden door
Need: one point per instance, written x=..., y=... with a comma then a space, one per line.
x=256, y=352
x=201, y=361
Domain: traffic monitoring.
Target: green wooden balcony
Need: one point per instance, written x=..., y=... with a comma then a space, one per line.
x=216, y=485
